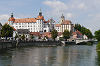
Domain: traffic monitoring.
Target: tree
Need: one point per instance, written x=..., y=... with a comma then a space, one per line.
x=66, y=34
x=6, y=31
x=23, y=37
x=32, y=37
x=16, y=36
x=54, y=34
x=84, y=30
x=97, y=35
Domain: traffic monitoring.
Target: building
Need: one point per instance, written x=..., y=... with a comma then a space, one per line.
x=26, y=32
x=77, y=35
x=38, y=24
x=39, y=27
x=21, y=32
x=64, y=25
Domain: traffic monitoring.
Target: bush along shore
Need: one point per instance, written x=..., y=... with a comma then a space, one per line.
x=98, y=46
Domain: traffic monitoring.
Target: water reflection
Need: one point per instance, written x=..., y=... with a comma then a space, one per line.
x=50, y=56
x=98, y=58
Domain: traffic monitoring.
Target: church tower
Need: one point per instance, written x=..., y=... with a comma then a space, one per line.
x=11, y=20
x=40, y=22
x=62, y=19
x=40, y=13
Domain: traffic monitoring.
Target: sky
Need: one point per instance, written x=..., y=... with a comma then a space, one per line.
x=84, y=12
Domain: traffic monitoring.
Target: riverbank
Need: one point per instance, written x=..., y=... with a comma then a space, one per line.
x=13, y=44
x=98, y=46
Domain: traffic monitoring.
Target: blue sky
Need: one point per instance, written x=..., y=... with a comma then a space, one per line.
x=85, y=12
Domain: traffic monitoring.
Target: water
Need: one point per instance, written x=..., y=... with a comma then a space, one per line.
x=73, y=55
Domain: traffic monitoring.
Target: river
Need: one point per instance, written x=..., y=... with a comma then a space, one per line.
x=72, y=55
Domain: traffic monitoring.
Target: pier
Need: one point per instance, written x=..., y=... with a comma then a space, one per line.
x=77, y=41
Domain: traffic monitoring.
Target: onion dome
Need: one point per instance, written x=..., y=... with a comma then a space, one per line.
x=62, y=16
x=40, y=17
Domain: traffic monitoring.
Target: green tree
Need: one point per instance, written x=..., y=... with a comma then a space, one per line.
x=84, y=30
x=32, y=37
x=97, y=35
x=16, y=36
x=54, y=34
x=66, y=34
x=23, y=37
x=6, y=31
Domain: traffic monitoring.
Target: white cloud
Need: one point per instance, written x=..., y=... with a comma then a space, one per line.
x=57, y=8
x=69, y=15
x=81, y=6
x=4, y=18
x=56, y=4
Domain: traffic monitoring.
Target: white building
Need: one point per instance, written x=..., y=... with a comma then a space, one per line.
x=33, y=24
x=64, y=25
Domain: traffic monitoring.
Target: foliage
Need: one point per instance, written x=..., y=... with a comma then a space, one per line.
x=97, y=35
x=66, y=34
x=89, y=43
x=84, y=30
x=98, y=46
x=98, y=58
x=23, y=37
x=54, y=34
x=16, y=36
x=6, y=31
x=61, y=39
x=31, y=36
x=44, y=39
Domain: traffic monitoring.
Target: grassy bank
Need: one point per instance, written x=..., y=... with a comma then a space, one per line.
x=98, y=46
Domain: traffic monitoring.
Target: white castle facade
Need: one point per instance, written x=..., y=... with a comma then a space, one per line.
x=40, y=25
x=33, y=24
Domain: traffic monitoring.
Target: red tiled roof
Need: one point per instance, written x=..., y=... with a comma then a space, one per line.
x=48, y=34
x=25, y=20
x=77, y=32
x=66, y=22
x=11, y=19
x=35, y=33
x=58, y=25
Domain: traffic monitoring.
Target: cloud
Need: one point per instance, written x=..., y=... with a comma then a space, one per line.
x=57, y=7
x=4, y=18
x=82, y=6
x=69, y=15
x=56, y=4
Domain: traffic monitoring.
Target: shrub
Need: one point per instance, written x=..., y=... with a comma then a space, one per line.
x=98, y=46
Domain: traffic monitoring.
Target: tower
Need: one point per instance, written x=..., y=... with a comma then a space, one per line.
x=40, y=22
x=62, y=19
x=40, y=13
x=11, y=20
x=11, y=15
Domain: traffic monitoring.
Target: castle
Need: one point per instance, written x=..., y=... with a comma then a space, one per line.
x=40, y=25
x=33, y=24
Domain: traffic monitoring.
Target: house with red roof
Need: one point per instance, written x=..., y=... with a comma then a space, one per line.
x=78, y=35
